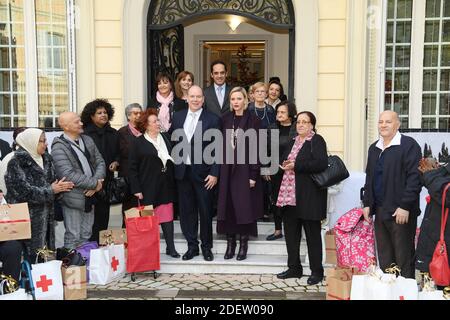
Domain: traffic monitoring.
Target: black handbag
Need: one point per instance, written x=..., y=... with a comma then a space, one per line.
x=115, y=190
x=333, y=174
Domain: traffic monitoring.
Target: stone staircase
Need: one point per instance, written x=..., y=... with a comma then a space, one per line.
x=263, y=257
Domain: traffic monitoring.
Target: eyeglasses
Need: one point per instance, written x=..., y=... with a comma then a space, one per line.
x=303, y=122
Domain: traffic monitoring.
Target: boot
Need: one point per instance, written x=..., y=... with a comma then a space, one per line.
x=167, y=229
x=231, y=246
x=243, y=246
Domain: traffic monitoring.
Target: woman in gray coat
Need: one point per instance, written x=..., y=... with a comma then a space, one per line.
x=31, y=178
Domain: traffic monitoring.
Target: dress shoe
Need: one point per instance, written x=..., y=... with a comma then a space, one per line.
x=231, y=246
x=208, y=255
x=173, y=254
x=290, y=273
x=243, y=247
x=190, y=254
x=314, y=279
x=274, y=237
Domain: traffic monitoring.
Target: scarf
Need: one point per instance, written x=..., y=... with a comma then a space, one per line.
x=135, y=132
x=161, y=147
x=286, y=195
x=164, y=110
x=29, y=141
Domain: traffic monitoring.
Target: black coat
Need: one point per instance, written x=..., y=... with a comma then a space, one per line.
x=107, y=142
x=4, y=148
x=234, y=178
x=146, y=173
x=27, y=182
x=401, y=177
x=434, y=181
x=125, y=140
x=311, y=201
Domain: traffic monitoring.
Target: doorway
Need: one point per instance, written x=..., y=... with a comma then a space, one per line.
x=246, y=61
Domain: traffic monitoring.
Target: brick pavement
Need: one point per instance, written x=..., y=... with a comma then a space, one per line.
x=207, y=287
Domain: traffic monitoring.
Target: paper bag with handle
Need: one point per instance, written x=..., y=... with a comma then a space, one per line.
x=15, y=223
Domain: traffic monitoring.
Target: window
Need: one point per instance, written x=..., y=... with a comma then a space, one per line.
x=417, y=62
x=36, y=48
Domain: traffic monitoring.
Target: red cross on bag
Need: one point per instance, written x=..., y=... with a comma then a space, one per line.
x=44, y=283
x=114, y=263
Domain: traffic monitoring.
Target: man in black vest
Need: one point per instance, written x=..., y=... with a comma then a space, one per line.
x=392, y=194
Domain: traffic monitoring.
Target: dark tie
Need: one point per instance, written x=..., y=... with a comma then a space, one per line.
x=77, y=142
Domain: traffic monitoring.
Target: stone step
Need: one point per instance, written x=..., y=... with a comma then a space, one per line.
x=254, y=264
x=257, y=245
x=264, y=228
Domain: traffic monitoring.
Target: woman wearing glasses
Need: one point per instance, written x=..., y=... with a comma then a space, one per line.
x=306, y=207
x=31, y=178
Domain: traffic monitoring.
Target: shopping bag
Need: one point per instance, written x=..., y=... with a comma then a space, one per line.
x=339, y=283
x=330, y=247
x=375, y=285
x=355, y=241
x=85, y=251
x=107, y=264
x=19, y=294
x=110, y=236
x=405, y=289
x=47, y=280
x=431, y=295
x=15, y=223
x=143, y=244
x=75, y=282
x=140, y=211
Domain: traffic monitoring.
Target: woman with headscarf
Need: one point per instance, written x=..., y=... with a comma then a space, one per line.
x=31, y=178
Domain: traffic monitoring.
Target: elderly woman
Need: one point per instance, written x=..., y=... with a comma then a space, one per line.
x=31, y=178
x=184, y=81
x=151, y=174
x=165, y=101
x=306, y=207
x=127, y=134
x=240, y=192
x=96, y=117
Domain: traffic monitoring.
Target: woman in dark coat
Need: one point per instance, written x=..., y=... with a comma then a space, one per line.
x=31, y=178
x=96, y=117
x=434, y=179
x=240, y=202
x=286, y=113
x=166, y=101
x=151, y=174
x=307, y=206
x=127, y=134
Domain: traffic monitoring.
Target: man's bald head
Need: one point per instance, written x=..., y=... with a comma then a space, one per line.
x=388, y=124
x=71, y=123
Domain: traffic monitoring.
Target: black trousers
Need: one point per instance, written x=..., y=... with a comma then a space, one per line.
x=277, y=218
x=101, y=219
x=11, y=257
x=127, y=204
x=395, y=243
x=293, y=234
x=194, y=199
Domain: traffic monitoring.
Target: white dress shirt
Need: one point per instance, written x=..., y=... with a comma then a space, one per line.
x=190, y=124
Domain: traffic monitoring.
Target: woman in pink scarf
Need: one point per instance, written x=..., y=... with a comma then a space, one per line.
x=165, y=101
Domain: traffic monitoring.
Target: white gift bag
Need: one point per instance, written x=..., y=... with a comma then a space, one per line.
x=20, y=294
x=47, y=280
x=406, y=289
x=358, y=285
x=107, y=264
x=432, y=295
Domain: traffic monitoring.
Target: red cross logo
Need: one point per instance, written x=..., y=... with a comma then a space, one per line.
x=114, y=264
x=44, y=283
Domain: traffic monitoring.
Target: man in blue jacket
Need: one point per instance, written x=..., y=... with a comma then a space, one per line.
x=392, y=191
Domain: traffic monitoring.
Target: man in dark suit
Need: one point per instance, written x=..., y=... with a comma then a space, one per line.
x=217, y=95
x=195, y=178
x=4, y=149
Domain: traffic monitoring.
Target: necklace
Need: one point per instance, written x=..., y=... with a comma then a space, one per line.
x=234, y=134
x=265, y=112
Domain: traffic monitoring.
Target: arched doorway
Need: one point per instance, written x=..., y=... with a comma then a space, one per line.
x=165, y=31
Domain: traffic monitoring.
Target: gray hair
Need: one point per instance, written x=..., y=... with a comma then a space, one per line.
x=130, y=107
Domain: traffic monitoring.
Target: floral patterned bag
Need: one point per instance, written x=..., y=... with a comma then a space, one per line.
x=355, y=241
